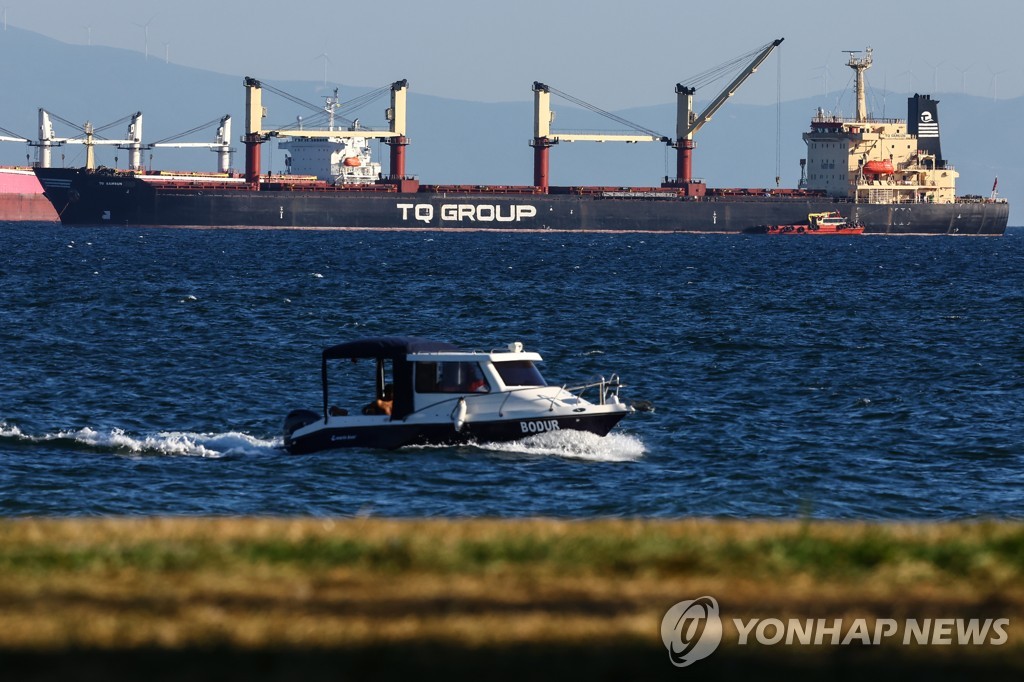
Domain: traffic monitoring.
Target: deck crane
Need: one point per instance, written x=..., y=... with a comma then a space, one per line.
x=544, y=138
x=221, y=143
x=395, y=136
x=687, y=124
x=48, y=140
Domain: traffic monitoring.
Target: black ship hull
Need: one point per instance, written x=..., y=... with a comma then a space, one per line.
x=83, y=197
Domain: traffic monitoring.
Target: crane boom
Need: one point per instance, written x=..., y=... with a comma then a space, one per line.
x=728, y=92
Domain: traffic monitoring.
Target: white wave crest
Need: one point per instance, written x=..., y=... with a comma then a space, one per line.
x=615, y=447
x=162, y=443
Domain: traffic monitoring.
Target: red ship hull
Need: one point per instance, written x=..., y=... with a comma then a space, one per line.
x=22, y=199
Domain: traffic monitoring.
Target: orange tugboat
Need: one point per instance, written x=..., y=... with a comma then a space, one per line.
x=830, y=222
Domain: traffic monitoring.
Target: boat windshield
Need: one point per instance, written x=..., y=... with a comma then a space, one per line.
x=450, y=377
x=519, y=373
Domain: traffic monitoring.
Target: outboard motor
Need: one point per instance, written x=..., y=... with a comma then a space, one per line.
x=295, y=420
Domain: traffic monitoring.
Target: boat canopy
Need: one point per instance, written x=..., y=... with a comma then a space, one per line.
x=389, y=347
x=380, y=348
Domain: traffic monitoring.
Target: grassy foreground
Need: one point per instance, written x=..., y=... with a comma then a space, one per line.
x=489, y=599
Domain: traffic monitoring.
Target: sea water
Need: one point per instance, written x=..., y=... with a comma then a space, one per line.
x=147, y=371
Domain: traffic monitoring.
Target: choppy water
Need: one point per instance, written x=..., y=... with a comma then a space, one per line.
x=147, y=371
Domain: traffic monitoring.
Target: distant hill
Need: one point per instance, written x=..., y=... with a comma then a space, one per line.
x=455, y=141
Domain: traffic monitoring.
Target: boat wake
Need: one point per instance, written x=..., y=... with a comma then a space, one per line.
x=615, y=447
x=176, y=443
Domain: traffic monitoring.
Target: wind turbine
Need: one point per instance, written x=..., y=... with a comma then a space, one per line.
x=963, y=77
x=995, y=82
x=825, y=74
x=935, y=75
x=145, y=28
x=323, y=55
x=88, y=35
x=167, y=52
x=910, y=80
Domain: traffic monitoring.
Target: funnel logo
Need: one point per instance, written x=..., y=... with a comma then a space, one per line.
x=928, y=126
x=691, y=630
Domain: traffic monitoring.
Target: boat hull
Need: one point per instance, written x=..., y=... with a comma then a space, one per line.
x=21, y=197
x=91, y=197
x=391, y=435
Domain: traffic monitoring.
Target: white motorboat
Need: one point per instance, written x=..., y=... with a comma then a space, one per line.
x=430, y=392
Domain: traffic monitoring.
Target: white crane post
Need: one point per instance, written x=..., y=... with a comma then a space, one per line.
x=223, y=145
x=44, y=157
x=135, y=142
x=90, y=154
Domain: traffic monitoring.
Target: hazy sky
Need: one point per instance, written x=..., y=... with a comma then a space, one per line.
x=612, y=53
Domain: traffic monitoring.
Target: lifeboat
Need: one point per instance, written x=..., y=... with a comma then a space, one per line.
x=879, y=168
x=351, y=161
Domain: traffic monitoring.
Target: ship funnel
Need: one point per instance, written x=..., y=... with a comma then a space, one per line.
x=923, y=121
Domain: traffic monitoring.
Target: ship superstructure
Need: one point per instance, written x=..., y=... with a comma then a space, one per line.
x=879, y=160
x=336, y=158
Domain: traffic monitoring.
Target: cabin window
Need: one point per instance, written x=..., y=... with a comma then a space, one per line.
x=450, y=377
x=519, y=373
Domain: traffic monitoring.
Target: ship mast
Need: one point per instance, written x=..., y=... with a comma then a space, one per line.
x=860, y=65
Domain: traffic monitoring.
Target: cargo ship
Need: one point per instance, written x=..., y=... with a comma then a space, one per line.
x=888, y=175
x=21, y=197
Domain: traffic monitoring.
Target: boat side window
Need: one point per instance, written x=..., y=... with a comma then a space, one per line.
x=450, y=377
x=519, y=373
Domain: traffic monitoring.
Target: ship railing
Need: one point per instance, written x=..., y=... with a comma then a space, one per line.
x=607, y=390
x=482, y=189
x=842, y=119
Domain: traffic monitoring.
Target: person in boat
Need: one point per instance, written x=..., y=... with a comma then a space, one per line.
x=384, y=403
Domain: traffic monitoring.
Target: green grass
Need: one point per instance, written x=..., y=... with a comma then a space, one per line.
x=495, y=599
